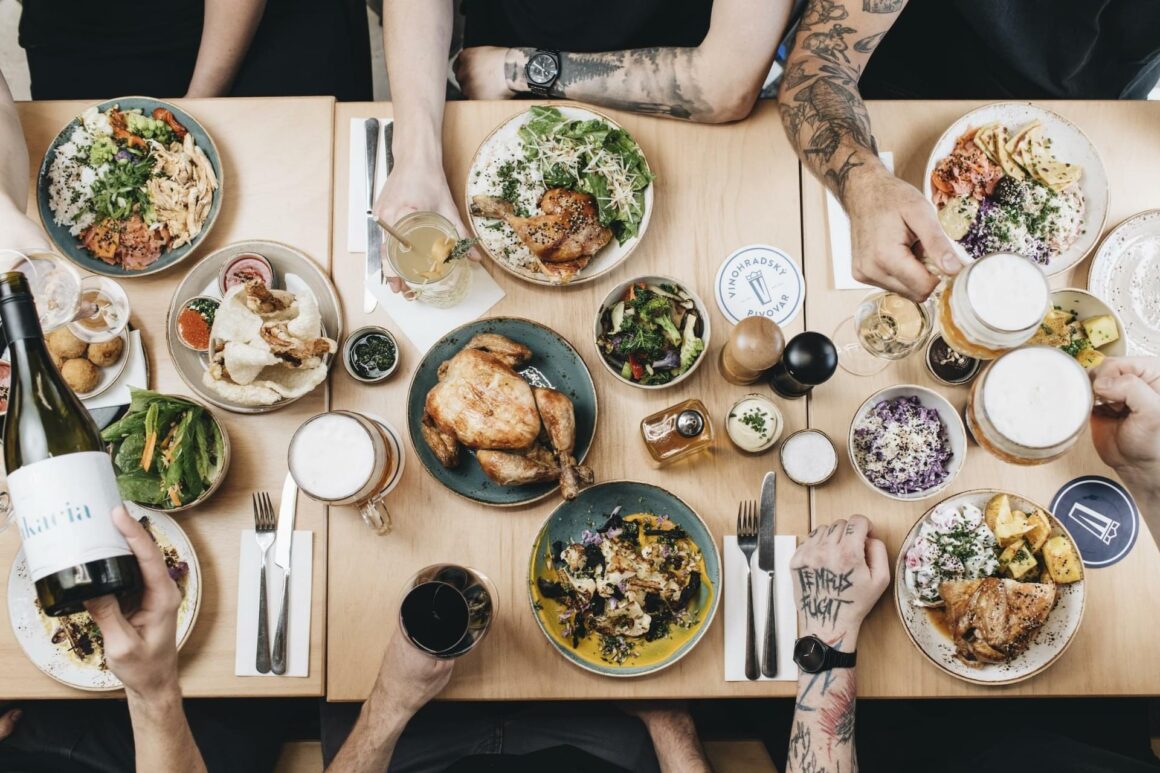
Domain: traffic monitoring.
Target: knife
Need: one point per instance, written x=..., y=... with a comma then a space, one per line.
x=287, y=509
x=374, y=267
x=766, y=560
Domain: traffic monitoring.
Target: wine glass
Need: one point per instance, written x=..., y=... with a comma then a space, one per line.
x=884, y=327
x=95, y=308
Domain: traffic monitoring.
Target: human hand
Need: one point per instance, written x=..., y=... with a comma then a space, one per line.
x=415, y=186
x=408, y=678
x=8, y=722
x=838, y=574
x=1129, y=442
x=485, y=72
x=141, y=648
x=893, y=227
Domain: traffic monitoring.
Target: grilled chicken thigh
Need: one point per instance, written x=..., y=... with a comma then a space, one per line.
x=564, y=237
x=993, y=620
x=482, y=403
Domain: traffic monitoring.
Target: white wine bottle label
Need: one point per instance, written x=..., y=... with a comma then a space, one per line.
x=63, y=507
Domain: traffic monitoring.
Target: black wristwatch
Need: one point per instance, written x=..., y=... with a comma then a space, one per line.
x=813, y=656
x=542, y=72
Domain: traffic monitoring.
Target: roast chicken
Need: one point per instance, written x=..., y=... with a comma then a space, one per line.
x=564, y=237
x=993, y=620
x=520, y=435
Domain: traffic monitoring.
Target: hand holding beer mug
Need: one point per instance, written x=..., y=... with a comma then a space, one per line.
x=345, y=458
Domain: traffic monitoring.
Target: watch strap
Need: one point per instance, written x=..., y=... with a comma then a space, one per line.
x=838, y=659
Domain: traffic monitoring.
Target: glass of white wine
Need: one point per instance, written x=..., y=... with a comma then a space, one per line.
x=885, y=327
x=95, y=308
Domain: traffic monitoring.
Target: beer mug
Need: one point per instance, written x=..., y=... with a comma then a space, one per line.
x=993, y=305
x=344, y=458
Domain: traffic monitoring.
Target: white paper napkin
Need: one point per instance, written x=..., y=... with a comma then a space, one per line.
x=841, y=250
x=134, y=374
x=298, y=624
x=735, y=577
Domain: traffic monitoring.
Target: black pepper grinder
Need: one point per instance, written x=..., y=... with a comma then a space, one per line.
x=809, y=359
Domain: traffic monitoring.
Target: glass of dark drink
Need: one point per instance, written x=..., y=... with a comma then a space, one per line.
x=447, y=610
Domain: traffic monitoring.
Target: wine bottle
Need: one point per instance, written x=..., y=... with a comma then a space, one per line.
x=60, y=476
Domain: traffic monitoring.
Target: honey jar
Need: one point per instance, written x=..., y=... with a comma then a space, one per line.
x=677, y=432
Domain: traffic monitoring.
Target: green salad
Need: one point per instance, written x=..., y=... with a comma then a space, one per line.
x=653, y=334
x=593, y=157
x=167, y=450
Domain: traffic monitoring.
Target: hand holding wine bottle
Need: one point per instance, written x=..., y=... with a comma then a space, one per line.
x=141, y=647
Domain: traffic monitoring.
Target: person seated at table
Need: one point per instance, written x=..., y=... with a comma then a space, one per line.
x=395, y=729
x=846, y=50
x=696, y=59
x=17, y=230
x=197, y=48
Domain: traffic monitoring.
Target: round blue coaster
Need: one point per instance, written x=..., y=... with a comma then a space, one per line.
x=760, y=280
x=1101, y=516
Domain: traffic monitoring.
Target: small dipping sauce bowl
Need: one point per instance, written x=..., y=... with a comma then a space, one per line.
x=754, y=423
x=244, y=267
x=809, y=457
x=370, y=354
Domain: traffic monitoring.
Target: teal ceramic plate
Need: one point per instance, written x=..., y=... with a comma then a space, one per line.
x=70, y=246
x=589, y=511
x=555, y=363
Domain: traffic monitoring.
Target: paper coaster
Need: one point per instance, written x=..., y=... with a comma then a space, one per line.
x=1102, y=517
x=760, y=280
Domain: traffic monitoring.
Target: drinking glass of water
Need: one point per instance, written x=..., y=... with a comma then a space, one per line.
x=447, y=610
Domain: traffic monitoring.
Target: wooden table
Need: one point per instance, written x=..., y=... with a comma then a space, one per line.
x=276, y=158
x=1114, y=652
x=718, y=188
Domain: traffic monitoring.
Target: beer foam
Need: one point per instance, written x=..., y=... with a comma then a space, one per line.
x=332, y=457
x=1008, y=292
x=1037, y=397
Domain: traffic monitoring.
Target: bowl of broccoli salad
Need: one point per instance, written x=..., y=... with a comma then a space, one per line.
x=651, y=332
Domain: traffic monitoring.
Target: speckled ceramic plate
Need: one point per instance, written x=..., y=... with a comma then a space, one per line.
x=1125, y=273
x=589, y=511
x=69, y=245
x=1049, y=643
x=1070, y=145
x=555, y=363
x=502, y=140
x=33, y=629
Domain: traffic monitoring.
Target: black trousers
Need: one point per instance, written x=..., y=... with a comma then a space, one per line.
x=301, y=48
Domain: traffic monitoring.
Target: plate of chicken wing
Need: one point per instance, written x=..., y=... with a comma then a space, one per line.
x=990, y=587
x=503, y=411
x=559, y=195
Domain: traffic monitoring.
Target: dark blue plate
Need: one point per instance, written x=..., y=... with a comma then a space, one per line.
x=589, y=511
x=555, y=363
x=70, y=246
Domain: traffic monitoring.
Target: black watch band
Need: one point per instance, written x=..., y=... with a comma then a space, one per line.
x=813, y=656
x=537, y=86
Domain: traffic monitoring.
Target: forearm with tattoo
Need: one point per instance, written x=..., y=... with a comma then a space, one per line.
x=822, y=734
x=822, y=111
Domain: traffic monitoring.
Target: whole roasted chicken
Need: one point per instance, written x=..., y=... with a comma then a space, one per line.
x=521, y=434
x=564, y=237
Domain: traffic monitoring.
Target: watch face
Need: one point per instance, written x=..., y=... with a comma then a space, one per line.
x=542, y=69
x=809, y=653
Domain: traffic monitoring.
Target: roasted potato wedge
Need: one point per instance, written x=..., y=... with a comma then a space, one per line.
x=1040, y=530
x=1017, y=561
x=1089, y=357
x=1101, y=330
x=1062, y=561
x=998, y=504
x=1011, y=528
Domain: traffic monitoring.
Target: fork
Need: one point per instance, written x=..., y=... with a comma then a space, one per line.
x=264, y=523
x=747, y=541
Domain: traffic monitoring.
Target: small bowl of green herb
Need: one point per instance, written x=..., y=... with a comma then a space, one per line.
x=371, y=354
x=651, y=332
x=170, y=452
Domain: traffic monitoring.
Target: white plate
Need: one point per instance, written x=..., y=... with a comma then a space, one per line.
x=33, y=628
x=1050, y=641
x=505, y=136
x=1126, y=274
x=1069, y=144
x=202, y=280
x=113, y=372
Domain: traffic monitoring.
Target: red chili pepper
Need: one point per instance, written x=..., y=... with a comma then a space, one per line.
x=637, y=368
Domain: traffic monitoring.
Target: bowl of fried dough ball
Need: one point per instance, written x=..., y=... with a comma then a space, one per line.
x=84, y=366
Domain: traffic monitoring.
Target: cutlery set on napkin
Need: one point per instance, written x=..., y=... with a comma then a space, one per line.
x=761, y=624
x=291, y=553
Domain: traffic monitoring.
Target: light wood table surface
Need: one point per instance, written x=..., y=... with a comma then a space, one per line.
x=1114, y=652
x=717, y=188
x=276, y=159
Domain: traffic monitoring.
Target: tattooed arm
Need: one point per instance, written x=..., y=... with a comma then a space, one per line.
x=839, y=573
x=709, y=83
x=892, y=224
